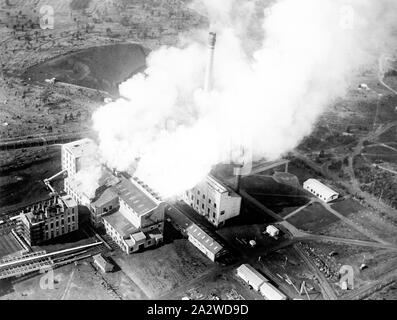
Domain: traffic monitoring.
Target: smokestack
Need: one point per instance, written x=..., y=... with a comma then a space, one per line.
x=237, y=177
x=208, y=72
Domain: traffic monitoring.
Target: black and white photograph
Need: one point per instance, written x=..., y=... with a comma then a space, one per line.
x=196, y=155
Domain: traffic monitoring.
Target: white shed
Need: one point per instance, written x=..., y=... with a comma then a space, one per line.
x=272, y=230
x=320, y=190
x=251, y=276
x=270, y=292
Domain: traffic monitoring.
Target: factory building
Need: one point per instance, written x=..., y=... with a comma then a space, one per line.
x=270, y=292
x=138, y=222
x=251, y=276
x=259, y=283
x=48, y=219
x=131, y=213
x=204, y=242
x=74, y=153
x=320, y=190
x=214, y=200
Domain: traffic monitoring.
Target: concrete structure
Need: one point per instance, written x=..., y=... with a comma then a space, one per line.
x=204, y=242
x=75, y=153
x=138, y=223
x=251, y=276
x=270, y=292
x=102, y=263
x=272, y=230
x=131, y=213
x=214, y=200
x=48, y=219
x=320, y=190
x=210, y=62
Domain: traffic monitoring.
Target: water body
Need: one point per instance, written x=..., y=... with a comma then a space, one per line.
x=103, y=67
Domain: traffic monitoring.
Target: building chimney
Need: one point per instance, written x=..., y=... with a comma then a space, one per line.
x=237, y=177
x=210, y=62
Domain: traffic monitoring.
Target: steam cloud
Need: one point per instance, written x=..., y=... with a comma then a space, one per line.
x=264, y=100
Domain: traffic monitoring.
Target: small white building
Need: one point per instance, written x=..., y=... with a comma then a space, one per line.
x=272, y=230
x=102, y=263
x=270, y=292
x=320, y=190
x=251, y=276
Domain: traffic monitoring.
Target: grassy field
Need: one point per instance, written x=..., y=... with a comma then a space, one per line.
x=280, y=198
x=312, y=218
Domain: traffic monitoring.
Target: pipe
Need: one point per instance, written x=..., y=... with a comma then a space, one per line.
x=210, y=62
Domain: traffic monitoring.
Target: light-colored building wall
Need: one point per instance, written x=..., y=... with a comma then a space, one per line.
x=214, y=201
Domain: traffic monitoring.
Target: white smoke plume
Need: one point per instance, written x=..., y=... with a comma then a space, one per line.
x=266, y=100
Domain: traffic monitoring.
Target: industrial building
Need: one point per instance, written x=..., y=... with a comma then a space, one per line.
x=74, y=153
x=320, y=190
x=270, y=292
x=259, y=283
x=251, y=276
x=204, y=242
x=131, y=213
x=102, y=263
x=212, y=199
x=48, y=219
x=138, y=223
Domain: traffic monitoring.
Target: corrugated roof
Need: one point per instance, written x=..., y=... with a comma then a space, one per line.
x=253, y=275
x=320, y=187
x=120, y=223
x=204, y=238
x=134, y=197
x=271, y=293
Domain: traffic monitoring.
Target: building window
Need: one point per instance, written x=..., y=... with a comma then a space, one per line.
x=73, y=218
x=192, y=197
x=197, y=202
x=222, y=212
x=214, y=205
x=209, y=200
x=52, y=225
x=202, y=206
x=198, y=191
x=208, y=210
x=203, y=196
x=57, y=224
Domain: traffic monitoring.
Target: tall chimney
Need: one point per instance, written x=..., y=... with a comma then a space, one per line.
x=237, y=177
x=210, y=62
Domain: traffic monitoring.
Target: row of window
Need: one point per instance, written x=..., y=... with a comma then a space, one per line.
x=62, y=222
x=57, y=232
x=209, y=200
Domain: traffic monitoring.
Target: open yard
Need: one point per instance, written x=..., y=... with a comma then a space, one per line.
x=166, y=268
x=70, y=283
x=312, y=218
x=8, y=245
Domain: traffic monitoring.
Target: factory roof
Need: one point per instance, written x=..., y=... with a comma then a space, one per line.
x=205, y=239
x=319, y=187
x=139, y=236
x=137, y=199
x=120, y=223
x=249, y=274
x=219, y=186
x=102, y=197
x=81, y=147
x=270, y=292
